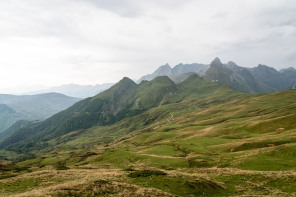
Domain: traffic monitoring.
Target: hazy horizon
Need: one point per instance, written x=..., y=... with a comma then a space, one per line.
x=88, y=42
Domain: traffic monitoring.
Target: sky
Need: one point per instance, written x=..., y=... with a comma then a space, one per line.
x=49, y=43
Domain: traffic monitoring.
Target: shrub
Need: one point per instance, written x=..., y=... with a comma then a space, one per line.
x=62, y=167
x=146, y=173
x=129, y=169
x=100, y=182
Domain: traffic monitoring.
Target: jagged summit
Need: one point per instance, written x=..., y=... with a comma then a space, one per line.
x=231, y=63
x=216, y=61
x=290, y=69
x=163, y=70
x=265, y=68
x=179, y=69
x=124, y=86
x=235, y=68
x=261, y=66
x=126, y=80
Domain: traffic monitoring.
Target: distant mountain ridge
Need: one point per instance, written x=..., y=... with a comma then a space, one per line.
x=179, y=69
x=260, y=79
x=9, y=116
x=31, y=107
x=75, y=90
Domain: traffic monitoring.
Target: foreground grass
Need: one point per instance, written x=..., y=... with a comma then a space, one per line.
x=101, y=180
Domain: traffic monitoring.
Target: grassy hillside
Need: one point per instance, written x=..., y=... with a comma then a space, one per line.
x=205, y=141
x=124, y=99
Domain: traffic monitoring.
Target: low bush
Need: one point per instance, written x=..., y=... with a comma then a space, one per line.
x=146, y=173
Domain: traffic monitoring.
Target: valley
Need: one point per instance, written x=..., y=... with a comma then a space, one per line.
x=14, y=108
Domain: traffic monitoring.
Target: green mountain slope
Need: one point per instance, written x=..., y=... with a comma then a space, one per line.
x=123, y=100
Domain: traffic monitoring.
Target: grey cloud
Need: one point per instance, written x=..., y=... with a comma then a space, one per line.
x=126, y=8
x=281, y=15
x=135, y=8
x=26, y=21
x=136, y=36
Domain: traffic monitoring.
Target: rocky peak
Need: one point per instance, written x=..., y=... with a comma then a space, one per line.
x=163, y=70
x=216, y=61
x=290, y=69
x=266, y=68
x=126, y=82
x=231, y=64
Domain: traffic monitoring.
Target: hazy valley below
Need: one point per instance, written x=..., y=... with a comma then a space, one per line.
x=31, y=107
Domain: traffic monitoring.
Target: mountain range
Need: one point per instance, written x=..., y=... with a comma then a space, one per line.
x=166, y=70
x=260, y=79
x=75, y=90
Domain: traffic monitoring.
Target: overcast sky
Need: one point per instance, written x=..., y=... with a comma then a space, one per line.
x=49, y=43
